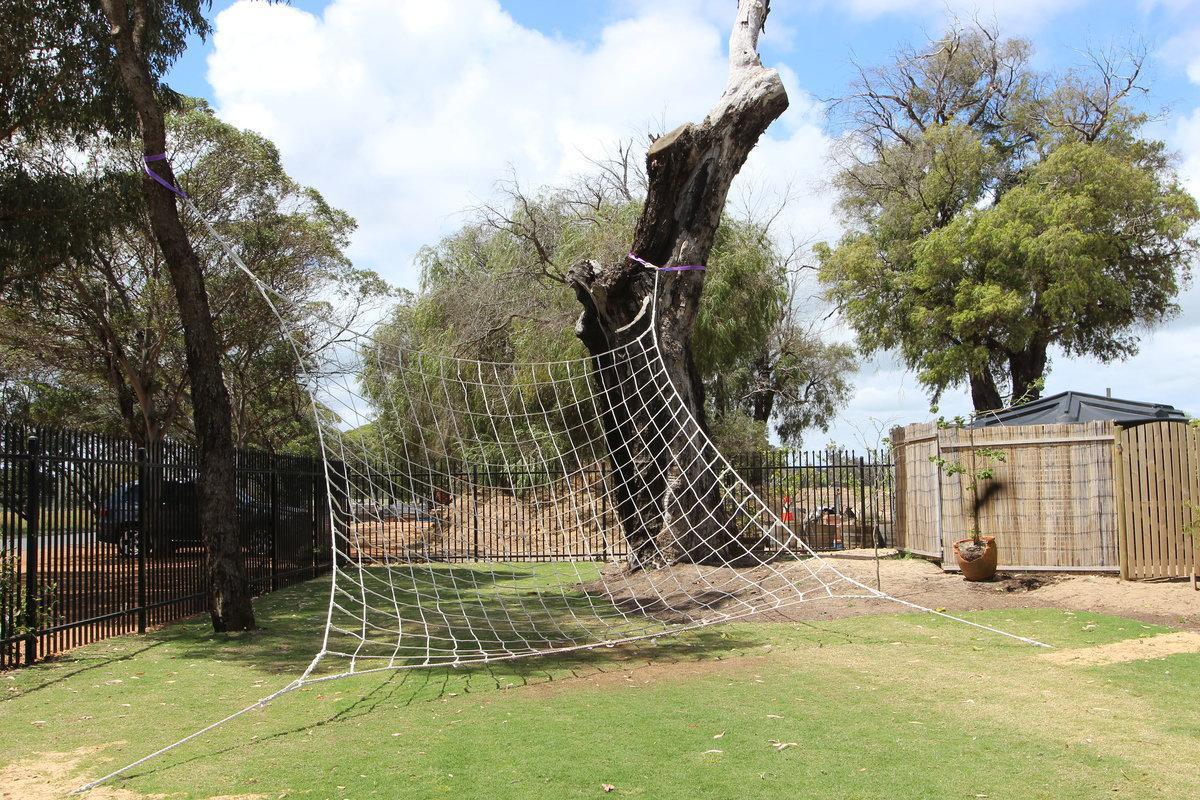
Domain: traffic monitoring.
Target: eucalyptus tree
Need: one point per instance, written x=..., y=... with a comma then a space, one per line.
x=81, y=69
x=764, y=364
x=496, y=290
x=508, y=286
x=996, y=211
x=111, y=305
x=671, y=513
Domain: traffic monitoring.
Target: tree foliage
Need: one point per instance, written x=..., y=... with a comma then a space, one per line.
x=59, y=82
x=58, y=69
x=996, y=211
x=92, y=69
x=116, y=360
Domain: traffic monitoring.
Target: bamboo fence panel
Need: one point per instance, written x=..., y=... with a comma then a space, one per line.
x=917, y=521
x=1052, y=505
x=1158, y=475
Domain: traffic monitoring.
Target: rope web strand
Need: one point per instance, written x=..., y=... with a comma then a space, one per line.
x=419, y=445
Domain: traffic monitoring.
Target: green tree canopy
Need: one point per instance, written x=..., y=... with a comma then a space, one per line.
x=996, y=212
x=58, y=69
x=118, y=347
x=59, y=83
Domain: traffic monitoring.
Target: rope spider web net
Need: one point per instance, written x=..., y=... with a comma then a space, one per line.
x=415, y=461
x=412, y=460
x=457, y=434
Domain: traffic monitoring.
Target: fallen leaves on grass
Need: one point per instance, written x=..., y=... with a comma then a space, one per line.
x=607, y=787
x=781, y=746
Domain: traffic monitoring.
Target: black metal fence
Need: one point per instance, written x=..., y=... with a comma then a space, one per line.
x=100, y=538
x=830, y=500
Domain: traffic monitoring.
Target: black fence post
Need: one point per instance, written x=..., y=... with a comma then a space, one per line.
x=475, y=511
x=862, y=502
x=315, y=517
x=143, y=538
x=33, y=514
x=273, y=520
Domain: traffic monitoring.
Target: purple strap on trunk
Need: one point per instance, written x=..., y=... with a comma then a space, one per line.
x=680, y=268
x=158, y=178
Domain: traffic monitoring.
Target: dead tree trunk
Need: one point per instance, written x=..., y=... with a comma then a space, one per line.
x=668, y=497
x=228, y=589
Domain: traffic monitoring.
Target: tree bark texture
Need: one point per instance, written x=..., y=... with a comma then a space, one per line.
x=985, y=395
x=1026, y=368
x=228, y=589
x=668, y=497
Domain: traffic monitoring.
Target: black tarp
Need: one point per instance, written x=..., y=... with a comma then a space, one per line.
x=1078, y=407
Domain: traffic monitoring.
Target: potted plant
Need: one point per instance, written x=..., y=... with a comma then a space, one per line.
x=976, y=554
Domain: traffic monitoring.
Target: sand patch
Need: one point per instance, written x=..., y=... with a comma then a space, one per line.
x=53, y=776
x=1143, y=649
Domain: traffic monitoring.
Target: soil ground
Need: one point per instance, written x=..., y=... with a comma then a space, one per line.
x=670, y=593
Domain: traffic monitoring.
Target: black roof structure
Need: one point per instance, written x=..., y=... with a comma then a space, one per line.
x=1079, y=407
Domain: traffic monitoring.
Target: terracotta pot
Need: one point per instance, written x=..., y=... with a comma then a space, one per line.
x=982, y=568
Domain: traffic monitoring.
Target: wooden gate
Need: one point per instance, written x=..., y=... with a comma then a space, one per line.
x=1157, y=475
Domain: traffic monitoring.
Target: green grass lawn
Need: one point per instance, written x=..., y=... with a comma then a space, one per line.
x=889, y=706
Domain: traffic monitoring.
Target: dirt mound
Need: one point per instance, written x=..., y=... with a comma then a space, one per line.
x=1025, y=582
x=693, y=591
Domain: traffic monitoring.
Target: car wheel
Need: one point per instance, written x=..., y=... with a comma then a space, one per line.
x=262, y=541
x=130, y=543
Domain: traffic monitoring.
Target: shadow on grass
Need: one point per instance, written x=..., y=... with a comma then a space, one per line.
x=500, y=609
x=81, y=664
x=294, y=619
x=408, y=687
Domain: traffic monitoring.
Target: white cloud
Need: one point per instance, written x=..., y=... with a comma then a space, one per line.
x=1183, y=50
x=405, y=113
x=1185, y=138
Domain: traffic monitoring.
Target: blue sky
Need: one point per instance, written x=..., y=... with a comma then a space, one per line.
x=405, y=113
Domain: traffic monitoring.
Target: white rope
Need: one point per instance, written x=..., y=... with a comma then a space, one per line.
x=296, y=684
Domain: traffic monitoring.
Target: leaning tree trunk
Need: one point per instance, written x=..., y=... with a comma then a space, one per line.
x=228, y=589
x=1026, y=369
x=985, y=395
x=667, y=492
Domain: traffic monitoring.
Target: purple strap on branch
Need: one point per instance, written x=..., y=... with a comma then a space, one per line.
x=680, y=268
x=158, y=178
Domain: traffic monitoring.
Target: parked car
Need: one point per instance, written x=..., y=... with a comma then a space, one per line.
x=178, y=519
